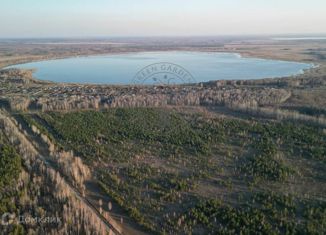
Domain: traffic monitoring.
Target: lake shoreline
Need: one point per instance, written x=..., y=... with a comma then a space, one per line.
x=306, y=71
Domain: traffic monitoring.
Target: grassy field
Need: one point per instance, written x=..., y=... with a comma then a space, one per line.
x=180, y=171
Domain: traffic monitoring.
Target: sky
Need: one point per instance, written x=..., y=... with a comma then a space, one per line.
x=114, y=18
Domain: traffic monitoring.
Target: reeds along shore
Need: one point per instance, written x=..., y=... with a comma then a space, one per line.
x=189, y=96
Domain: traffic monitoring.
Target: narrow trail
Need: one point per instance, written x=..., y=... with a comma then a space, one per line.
x=43, y=153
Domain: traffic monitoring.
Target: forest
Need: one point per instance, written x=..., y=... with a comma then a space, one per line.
x=180, y=171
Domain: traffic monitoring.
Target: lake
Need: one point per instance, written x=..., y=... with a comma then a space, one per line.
x=194, y=66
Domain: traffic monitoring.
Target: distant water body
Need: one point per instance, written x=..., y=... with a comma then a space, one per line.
x=300, y=38
x=120, y=69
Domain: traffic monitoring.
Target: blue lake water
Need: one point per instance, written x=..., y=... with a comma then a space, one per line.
x=122, y=68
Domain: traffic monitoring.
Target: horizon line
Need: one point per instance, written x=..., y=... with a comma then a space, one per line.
x=164, y=36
